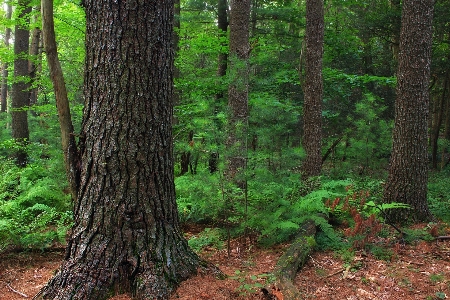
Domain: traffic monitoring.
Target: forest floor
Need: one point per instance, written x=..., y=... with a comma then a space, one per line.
x=420, y=270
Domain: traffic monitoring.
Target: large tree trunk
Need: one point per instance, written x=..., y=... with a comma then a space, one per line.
x=238, y=90
x=68, y=143
x=408, y=172
x=126, y=235
x=4, y=88
x=20, y=96
x=312, y=107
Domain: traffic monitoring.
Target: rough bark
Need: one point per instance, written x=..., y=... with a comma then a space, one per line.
x=294, y=259
x=4, y=88
x=126, y=235
x=313, y=89
x=20, y=95
x=68, y=143
x=176, y=47
x=238, y=90
x=408, y=171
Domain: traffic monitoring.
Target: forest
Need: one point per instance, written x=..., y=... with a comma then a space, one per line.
x=295, y=127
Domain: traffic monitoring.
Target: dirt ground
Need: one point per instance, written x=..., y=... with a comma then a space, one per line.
x=417, y=271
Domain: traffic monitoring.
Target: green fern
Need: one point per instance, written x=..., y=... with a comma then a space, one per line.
x=34, y=210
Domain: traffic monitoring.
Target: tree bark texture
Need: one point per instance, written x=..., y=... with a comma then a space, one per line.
x=238, y=89
x=4, y=88
x=126, y=236
x=176, y=47
x=408, y=171
x=313, y=89
x=20, y=95
x=68, y=143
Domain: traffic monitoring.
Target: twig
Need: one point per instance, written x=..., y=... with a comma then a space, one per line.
x=335, y=273
x=17, y=292
x=443, y=237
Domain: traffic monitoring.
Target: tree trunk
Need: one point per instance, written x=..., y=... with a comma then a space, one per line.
x=35, y=60
x=126, y=235
x=395, y=23
x=408, y=172
x=222, y=25
x=444, y=159
x=68, y=143
x=186, y=155
x=438, y=114
x=222, y=63
x=313, y=89
x=4, y=88
x=20, y=96
x=176, y=46
x=238, y=90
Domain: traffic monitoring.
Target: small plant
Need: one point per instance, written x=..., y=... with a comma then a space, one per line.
x=250, y=284
x=347, y=255
x=413, y=235
x=321, y=272
x=208, y=237
x=381, y=252
x=352, y=209
x=436, y=278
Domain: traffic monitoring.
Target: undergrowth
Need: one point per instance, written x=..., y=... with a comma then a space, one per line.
x=34, y=210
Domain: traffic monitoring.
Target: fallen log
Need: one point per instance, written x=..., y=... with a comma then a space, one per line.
x=291, y=261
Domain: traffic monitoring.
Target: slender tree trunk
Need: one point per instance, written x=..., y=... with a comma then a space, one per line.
x=4, y=88
x=444, y=159
x=126, y=235
x=35, y=59
x=222, y=25
x=238, y=90
x=68, y=143
x=438, y=115
x=408, y=172
x=222, y=63
x=312, y=107
x=395, y=38
x=20, y=95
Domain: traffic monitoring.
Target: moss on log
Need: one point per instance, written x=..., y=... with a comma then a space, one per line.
x=291, y=261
